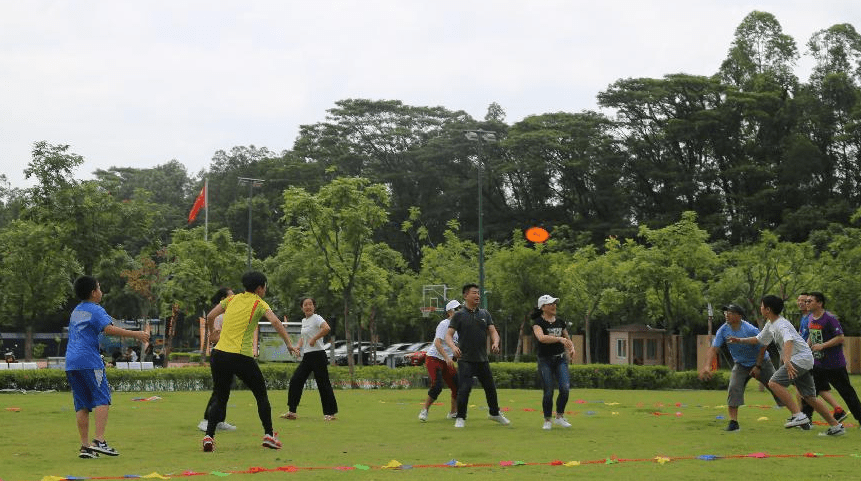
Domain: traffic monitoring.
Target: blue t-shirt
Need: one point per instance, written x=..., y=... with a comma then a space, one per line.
x=87, y=321
x=803, y=328
x=744, y=354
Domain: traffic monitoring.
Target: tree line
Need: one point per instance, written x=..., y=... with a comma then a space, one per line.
x=697, y=190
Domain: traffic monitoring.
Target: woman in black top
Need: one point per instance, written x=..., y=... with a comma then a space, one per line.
x=553, y=344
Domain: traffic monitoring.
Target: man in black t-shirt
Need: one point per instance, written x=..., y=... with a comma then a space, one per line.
x=472, y=326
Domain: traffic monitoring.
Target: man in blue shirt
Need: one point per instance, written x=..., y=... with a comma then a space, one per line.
x=744, y=356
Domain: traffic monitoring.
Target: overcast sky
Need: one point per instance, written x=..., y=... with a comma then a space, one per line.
x=139, y=83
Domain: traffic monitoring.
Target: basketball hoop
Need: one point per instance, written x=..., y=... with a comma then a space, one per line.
x=426, y=311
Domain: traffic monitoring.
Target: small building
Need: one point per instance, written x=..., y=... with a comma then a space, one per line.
x=637, y=344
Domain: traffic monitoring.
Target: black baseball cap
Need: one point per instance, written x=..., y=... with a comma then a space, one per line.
x=734, y=308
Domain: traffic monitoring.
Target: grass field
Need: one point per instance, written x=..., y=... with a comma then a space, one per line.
x=378, y=426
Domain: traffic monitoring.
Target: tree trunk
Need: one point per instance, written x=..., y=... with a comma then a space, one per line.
x=373, y=334
x=520, y=335
x=587, y=342
x=28, y=343
x=359, y=340
x=169, y=330
x=350, y=364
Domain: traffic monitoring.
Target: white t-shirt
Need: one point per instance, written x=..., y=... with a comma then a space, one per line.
x=780, y=330
x=310, y=328
x=441, y=330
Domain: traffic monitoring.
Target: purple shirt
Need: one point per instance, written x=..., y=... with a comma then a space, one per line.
x=823, y=330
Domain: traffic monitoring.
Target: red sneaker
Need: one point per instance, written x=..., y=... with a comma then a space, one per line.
x=208, y=444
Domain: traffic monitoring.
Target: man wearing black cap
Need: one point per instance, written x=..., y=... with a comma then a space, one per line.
x=744, y=356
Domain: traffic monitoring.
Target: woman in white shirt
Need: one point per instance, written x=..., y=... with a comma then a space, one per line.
x=314, y=329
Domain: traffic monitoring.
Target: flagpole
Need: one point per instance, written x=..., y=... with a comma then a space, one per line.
x=206, y=209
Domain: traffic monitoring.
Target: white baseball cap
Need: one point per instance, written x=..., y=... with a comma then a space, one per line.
x=452, y=304
x=546, y=299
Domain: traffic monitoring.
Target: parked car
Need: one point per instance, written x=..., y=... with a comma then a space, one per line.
x=394, y=349
x=365, y=350
x=340, y=349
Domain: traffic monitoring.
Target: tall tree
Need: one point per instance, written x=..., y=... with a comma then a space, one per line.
x=567, y=169
x=36, y=275
x=341, y=220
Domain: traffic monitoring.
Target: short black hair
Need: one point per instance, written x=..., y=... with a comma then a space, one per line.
x=820, y=297
x=251, y=280
x=469, y=286
x=220, y=295
x=84, y=287
x=773, y=303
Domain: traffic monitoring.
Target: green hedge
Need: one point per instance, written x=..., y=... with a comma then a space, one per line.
x=508, y=375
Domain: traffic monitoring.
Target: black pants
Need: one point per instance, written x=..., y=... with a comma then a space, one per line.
x=839, y=378
x=316, y=362
x=465, y=371
x=226, y=365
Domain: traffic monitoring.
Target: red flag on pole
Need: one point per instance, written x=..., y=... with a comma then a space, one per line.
x=199, y=203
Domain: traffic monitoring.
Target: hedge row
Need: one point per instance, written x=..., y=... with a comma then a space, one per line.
x=506, y=374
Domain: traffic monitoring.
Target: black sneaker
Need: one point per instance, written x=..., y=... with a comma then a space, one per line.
x=732, y=426
x=86, y=453
x=103, y=448
x=840, y=415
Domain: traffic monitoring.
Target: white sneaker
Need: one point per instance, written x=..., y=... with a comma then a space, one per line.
x=500, y=419
x=451, y=416
x=547, y=425
x=561, y=422
x=834, y=431
x=799, y=419
x=223, y=426
x=423, y=415
x=459, y=422
x=202, y=425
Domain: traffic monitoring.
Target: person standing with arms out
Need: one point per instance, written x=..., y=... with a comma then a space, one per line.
x=745, y=358
x=440, y=365
x=85, y=369
x=829, y=363
x=314, y=329
x=219, y=296
x=233, y=357
x=473, y=325
x=553, y=344
x=797, y=363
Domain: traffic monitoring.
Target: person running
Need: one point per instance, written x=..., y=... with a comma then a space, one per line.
x=803, y=301
x=314, y=329
x=553, y=344
x=232, y=356
x=440, y=365
x=797, y=364
x=219, y=296
x=473, y=325
x=85, y=368
x=829, y=363
x=744, y=356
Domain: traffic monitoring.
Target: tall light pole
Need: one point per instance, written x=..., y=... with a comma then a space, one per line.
x=252, y=183
x=480, y=136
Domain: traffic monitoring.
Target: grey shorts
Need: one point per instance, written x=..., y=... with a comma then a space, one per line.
x=738, y=379
x=803, y=380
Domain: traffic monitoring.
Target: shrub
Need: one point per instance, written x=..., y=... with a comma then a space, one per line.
x=507, y=375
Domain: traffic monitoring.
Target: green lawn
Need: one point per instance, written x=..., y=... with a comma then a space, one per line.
x=378, y=426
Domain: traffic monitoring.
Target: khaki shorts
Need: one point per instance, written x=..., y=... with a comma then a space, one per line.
x=803, y=380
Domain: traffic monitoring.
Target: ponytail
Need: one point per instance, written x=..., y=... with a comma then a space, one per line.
x=535, y=314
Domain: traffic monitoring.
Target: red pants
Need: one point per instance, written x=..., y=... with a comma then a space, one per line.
x=439, y=371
